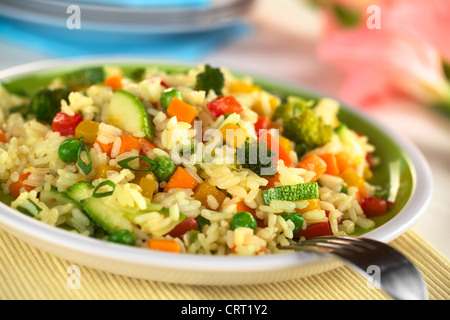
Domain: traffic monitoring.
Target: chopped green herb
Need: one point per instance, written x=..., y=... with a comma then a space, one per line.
x=85, y=167
x=108, y=183
x=193, y=236
x=125, y=163
x=202, y=222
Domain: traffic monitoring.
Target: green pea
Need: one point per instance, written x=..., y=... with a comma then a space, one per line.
x=123, y=237
x=168, y=95
x=243, y=219
x=296, y=218
x=68, y=150
x=164, y=168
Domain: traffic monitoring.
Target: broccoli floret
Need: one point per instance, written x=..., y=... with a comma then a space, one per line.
x=210, y=79
x=46, y=103
x=137, y=74
x=292, y=108
x=256, y=156
x=307, y=130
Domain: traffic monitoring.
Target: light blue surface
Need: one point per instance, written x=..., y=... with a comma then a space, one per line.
x=149, y=3
x=63, y=42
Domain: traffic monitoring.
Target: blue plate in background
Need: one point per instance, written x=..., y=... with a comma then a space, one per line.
x=170, y=32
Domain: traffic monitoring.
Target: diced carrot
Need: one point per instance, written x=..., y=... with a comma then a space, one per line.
x=181, y=179
x=181, y=110
x=313, y=162
x=16, y=186
x=343, y=162
x=146, y=146
x=332, y=166
x=274, y=145
x=106, y=148
x=164, y=245
x=363, y=192
x=272, y=181
x=129, y=143
x=241, y=206
x=3, y=137
x=114, y=82
x=360, y=194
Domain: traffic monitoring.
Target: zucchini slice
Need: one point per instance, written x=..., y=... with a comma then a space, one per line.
x=297, y=192
x=127, y=112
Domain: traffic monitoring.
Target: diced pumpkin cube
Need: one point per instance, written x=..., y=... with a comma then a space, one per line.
x=241, y=87
x=233, y=134
x=204, y=189
x=266, y=105
x=285, y=143
x=88, y=130
x=352, y=179
x=313, y=204
x=102, y=171
x=148, y=186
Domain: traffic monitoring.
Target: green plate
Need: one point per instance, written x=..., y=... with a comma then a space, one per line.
x=403, y=170
x=387, y=150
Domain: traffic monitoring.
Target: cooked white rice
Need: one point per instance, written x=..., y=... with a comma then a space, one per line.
x=32, y=147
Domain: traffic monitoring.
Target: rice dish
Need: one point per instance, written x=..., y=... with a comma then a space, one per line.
x=195, y=161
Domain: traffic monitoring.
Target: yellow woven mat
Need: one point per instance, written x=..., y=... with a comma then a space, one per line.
x=27, y=273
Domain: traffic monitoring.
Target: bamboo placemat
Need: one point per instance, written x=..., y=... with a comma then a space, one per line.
x=27, y=273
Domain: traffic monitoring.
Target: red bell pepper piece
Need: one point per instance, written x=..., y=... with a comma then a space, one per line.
x=315, y=230
x=223, y=105
x=183, y=227
x=263, y=123
x=65, y=124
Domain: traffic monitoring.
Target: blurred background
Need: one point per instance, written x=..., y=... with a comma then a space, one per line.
x=389, y=59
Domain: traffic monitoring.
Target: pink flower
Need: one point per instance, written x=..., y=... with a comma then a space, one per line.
x=403, y=56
